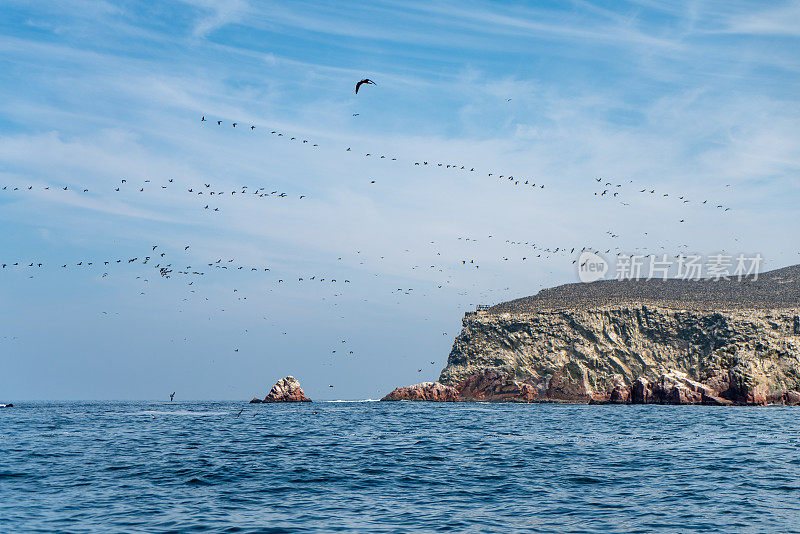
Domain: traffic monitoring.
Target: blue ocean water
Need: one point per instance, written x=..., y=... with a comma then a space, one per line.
x=397, y=467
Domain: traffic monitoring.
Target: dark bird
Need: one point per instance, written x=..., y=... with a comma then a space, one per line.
x=203, y=119
x=171, y=396
x=362, y=82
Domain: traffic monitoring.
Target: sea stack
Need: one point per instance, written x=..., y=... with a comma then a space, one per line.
x=713, y=342
x=285, y=390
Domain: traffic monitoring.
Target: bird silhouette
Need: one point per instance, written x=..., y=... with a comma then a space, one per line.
x=362, y=82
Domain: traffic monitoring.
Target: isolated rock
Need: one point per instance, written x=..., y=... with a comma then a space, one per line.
x=286, y=390
x=255, y=400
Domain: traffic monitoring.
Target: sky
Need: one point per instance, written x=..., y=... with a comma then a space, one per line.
x=695, y=99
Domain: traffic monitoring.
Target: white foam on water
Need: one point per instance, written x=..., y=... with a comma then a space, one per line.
x=360, y=400
x=176, y=412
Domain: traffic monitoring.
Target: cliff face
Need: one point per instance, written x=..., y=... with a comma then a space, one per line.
x=736, y=353
x=624, y=353
x=641, y=341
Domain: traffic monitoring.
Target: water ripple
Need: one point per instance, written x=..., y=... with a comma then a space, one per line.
x=397, y=467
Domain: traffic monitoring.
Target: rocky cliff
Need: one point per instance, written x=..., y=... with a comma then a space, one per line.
x=589, y=343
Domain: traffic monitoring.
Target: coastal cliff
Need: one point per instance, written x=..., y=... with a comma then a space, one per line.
x=589, y=343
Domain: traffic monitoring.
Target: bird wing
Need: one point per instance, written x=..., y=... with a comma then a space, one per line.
x=362, y=82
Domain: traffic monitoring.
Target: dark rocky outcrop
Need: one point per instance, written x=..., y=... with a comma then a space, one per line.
x=285, y=390
x=427, y=391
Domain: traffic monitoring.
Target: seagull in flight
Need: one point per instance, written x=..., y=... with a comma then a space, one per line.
x=362, y=82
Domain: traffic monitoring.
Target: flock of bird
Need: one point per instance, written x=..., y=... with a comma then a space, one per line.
x=523, y=181
x=169, y=264
x=611, y=190
x=147, y=185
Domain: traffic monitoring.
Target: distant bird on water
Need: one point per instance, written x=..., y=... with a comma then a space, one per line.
x=362, y=82
x=171, y=396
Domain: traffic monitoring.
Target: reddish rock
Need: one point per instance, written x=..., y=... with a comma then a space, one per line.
x=427, y=391
x=286, y=390
x=712, y=400
x=640, y=391
x=564, y=388
x=495, y=386
x=680, y=394
x=620, y=394
x=600, y=398
x=748, y=395
x=783, y=396
x=255, y=400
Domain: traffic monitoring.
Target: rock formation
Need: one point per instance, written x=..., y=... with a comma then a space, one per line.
x=427, y=391
x=602, y=346
x=285, y=390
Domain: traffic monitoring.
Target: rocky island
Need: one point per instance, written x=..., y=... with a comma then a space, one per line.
x=631, y=341
x=285, y=390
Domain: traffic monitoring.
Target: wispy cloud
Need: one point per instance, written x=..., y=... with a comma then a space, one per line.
x=687, y=100
x=216, y=14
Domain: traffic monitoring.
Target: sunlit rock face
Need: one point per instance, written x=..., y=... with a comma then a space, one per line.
x=736, y=342
x=285, y=390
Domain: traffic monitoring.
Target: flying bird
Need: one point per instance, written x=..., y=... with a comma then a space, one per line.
x=362, y=82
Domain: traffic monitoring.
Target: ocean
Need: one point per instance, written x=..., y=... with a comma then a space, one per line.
x=402, y=467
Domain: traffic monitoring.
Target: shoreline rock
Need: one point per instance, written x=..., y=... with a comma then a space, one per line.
x=673, y=387
x=285, y=390
x=426, y=391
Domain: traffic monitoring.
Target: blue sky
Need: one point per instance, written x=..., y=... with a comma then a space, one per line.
x=694, y=99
